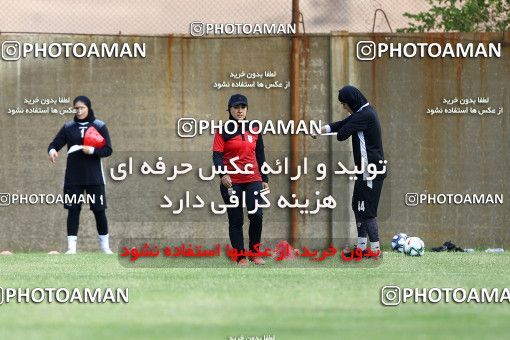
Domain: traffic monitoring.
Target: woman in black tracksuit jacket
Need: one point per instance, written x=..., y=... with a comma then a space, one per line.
x=84, y=171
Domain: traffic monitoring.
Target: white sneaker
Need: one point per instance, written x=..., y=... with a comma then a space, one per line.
x=71, y=244
x=104, y=244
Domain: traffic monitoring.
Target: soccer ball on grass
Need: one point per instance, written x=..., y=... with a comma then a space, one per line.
x=414, y=246
x=397, y=242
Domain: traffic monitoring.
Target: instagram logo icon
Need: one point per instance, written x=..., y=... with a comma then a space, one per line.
x=197, y=29
x=11, y=50
x=365, y=50
x=186, y=127
x=411, y=199
x=390, y=296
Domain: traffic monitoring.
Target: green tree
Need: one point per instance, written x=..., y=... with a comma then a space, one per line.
x=461, y=16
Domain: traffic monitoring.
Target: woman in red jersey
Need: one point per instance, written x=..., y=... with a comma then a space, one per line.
x=249, y=147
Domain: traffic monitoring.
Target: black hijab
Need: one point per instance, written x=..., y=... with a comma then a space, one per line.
x=85, y=100
x=352, y=97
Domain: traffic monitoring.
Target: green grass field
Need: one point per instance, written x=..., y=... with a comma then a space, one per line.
x=289, y=303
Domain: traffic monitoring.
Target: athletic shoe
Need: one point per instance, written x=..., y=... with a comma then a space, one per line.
x=378, y=257
x=242, y=262
x=71, y=252
x=348, y=251
x=257, y=260
x=365, y=252
x=107, y=251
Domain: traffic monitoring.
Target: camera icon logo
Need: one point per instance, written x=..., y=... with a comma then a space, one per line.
x=11, y=50
x=186, y=127
x=390, y=296
x=365, y=50
x=197, y=29
x=411, y=199
x=5, y=199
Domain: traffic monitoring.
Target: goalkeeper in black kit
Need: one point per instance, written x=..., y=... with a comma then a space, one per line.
x=84, y=170
x=364, y=128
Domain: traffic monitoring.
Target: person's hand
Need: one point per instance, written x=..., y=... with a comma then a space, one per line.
x=226, y=181
x=324, y=129
x=88, y=149
x=265, y=186
x=314, y=135
x=53, y=155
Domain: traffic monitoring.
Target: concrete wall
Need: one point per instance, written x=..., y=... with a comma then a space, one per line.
x=441, y=153
x=142, y=99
